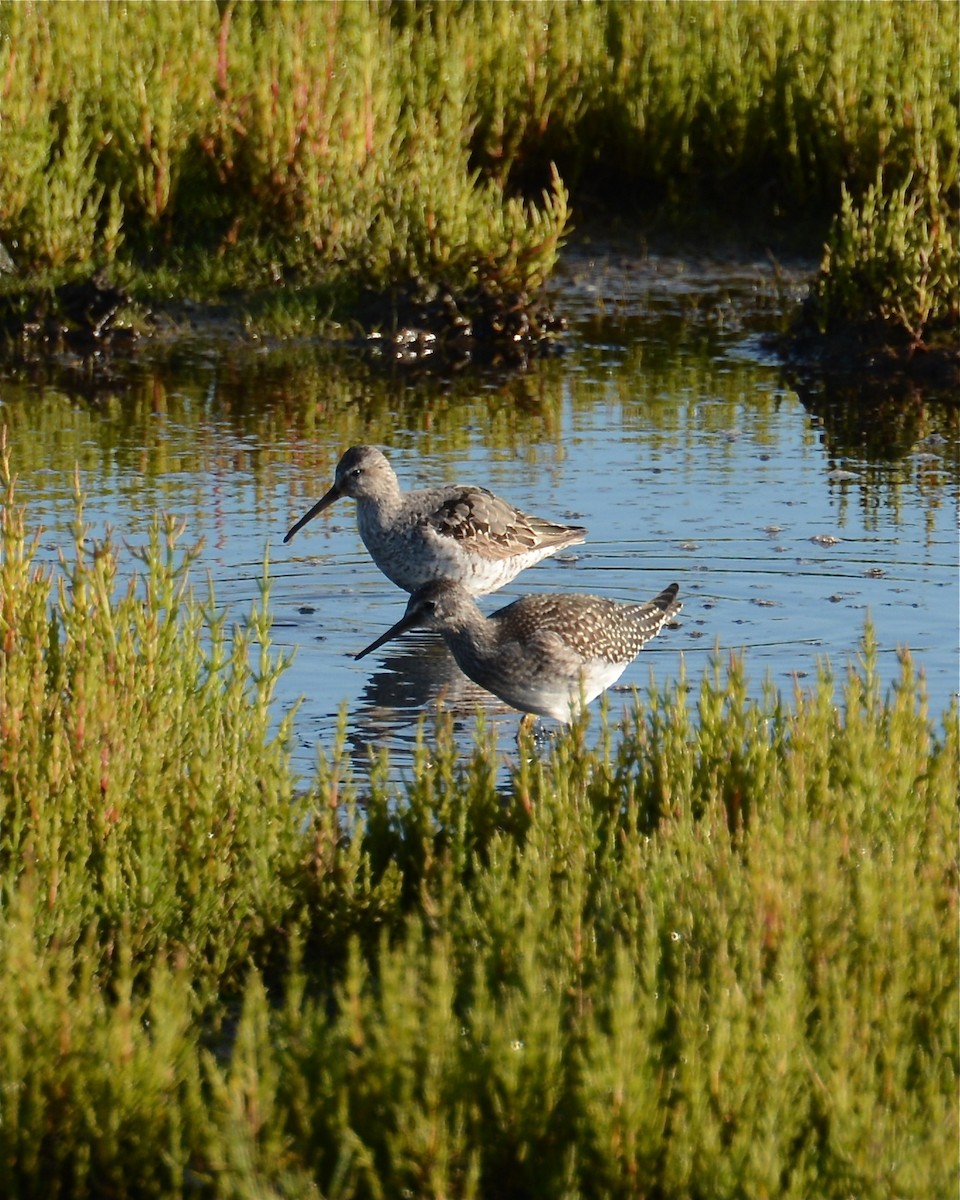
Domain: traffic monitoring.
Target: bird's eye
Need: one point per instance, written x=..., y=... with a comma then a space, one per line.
x=356, y=472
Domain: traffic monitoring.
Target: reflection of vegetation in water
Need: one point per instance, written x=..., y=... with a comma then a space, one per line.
x=876, y=425
x=280, y=416
x=716, y=955
x=882, y=423
x=288, y=415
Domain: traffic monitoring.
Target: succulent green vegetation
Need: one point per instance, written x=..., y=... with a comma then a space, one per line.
x=715, y=955
x=196, y=148
x=894, y=260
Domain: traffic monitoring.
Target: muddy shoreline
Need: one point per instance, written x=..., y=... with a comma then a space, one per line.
x=432, y=327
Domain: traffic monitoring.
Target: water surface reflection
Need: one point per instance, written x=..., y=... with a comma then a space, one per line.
x=666, y=429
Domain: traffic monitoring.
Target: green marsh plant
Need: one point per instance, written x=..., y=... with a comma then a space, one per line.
x=144, y=802
x=893, y=258
x=713, y=953
x=279, y=146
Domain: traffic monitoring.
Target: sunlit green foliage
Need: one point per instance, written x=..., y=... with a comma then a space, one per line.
x=111, y=714
x=894, y=249
x=896, y=258
x=370, y=142
x=279, y=135
x=717, y=100
x=715, y=955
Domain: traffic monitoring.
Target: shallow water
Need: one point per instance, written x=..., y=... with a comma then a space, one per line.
x=666, y=429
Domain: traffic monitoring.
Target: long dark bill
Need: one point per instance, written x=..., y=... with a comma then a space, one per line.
x=321, y=504
x=407, y=621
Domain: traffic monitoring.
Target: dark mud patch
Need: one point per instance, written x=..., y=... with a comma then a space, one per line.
x=81, y=317
x=416, y=325
x=872, y=350
x=426, y=325
x=419, y=327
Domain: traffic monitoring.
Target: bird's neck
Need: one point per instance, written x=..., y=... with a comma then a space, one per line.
x=472, y=639
x=380, y=511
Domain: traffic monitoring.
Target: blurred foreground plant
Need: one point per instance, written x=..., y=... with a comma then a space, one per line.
x=144, y=800
x=714, y=954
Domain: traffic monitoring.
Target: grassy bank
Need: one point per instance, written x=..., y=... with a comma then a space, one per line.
x=717, y=956
x=321, y=149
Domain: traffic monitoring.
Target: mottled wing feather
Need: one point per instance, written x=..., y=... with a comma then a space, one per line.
x=593, y=626
x=495, y=529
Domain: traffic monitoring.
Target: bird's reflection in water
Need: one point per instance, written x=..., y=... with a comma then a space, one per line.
x=409, y=679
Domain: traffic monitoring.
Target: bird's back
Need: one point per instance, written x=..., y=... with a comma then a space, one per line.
x=458, y=532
